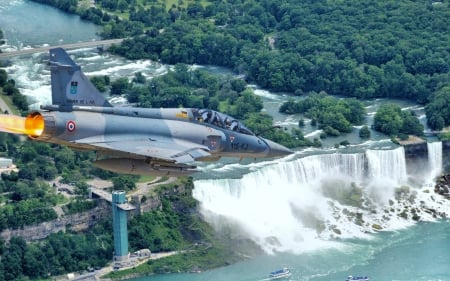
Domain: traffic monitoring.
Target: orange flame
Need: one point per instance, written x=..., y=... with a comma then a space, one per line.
x=32, y=125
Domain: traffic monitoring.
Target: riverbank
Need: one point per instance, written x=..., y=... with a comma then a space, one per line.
x=98, y=274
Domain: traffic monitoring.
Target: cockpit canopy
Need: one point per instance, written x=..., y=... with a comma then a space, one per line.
x=221, y=120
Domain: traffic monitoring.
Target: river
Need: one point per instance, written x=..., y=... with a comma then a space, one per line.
x=292, y=207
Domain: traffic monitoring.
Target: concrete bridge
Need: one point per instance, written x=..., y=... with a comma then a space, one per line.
x=101, y=43
x=108, y=197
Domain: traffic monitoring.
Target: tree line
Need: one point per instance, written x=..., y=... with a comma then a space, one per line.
x=364, y=50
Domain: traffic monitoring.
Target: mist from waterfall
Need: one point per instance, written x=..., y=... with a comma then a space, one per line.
x=304, y=204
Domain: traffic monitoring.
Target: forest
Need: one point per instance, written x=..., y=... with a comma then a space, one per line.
x=395, y=49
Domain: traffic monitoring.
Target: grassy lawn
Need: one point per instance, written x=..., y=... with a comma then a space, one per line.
x=143, y=179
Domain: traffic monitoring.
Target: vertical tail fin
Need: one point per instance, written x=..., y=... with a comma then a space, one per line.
x=70, y=87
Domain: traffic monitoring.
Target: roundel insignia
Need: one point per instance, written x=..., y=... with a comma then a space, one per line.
x=70, y=126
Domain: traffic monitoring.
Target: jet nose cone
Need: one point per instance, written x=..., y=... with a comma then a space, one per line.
x=276, y=150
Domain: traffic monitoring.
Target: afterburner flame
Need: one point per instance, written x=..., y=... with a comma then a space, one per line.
x=32, y=125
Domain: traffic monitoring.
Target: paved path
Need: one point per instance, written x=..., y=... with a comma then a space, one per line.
x=4, y=107
x=144, y=188
x=97, y=274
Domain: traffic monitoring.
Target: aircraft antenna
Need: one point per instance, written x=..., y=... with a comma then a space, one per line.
x=268, y=129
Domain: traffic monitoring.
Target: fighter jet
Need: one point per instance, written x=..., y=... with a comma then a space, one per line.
x=130, y=140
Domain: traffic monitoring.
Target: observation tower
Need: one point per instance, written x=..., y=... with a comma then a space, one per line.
x=120, y=207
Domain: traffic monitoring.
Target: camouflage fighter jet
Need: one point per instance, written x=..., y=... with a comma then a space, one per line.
x=152, y=141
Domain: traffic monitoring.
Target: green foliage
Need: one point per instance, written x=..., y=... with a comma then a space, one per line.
x=69, y=6
x=263, y=122
x=444, y=136
x=246, y=103
x=201, y=258
x=125, y=182
x=3, y=77
x=364, y=132
x=156, y=230
x=438, y=110
x=26, y=212
x=318, y=47
x=391, y=120
x=78, y=206
x=334, y=115
x=120, y=86
x=301, y=122
x=8, y=87
x=59, y=253
x=100, y=82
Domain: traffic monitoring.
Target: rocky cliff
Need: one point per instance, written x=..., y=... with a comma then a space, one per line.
x=78, y=222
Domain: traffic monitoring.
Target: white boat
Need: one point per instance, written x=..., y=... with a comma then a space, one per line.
x=281, y=273
x=357, y=278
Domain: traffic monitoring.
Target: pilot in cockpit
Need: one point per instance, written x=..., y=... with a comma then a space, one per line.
x=206, y=116
x=231, y=124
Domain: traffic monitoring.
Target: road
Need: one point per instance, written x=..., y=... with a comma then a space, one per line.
x=97, y=274
x=65, y=46
x=4, y=107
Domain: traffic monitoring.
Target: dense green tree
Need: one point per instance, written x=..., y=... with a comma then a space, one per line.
x=124, y=182
x=120, y=86
x=334, y=115
x=391, y=120
x=364, y=132
x=65, y=157
x=13, y=257
x=438, y=110
x=35, y=263
x=262, y=124
x=65, y=5
x=340, y=49
x=388, y=119
x=3, y=77
x=100, y=82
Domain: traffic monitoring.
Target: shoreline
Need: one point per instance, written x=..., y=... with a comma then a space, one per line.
x=98, y=274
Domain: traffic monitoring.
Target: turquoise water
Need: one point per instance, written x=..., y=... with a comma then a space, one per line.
x=29, y=24
x=420, y=252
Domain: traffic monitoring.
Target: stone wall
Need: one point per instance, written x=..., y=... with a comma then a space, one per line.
x=416, y=150
x=75, y=222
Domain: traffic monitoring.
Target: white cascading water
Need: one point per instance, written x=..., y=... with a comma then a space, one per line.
x=435, y=158
x=302, y=204
x=386, y=169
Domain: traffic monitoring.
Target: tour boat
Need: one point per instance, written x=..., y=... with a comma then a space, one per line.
x=281, y=273
x=357, y=278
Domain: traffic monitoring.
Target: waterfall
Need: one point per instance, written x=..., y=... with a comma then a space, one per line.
x=279, y=206
x=386, y=171
x=387, y=165
x=302, y=204
x=435, y=158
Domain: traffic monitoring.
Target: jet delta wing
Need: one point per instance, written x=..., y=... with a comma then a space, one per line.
x=162, y=141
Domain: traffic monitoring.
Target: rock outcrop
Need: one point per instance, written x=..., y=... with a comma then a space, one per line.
x=442, y=186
